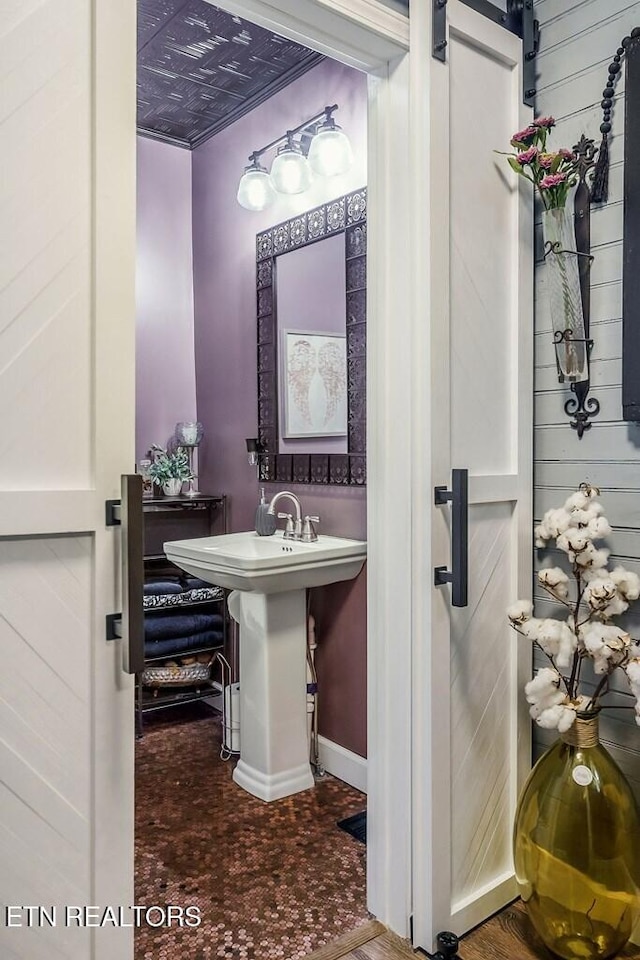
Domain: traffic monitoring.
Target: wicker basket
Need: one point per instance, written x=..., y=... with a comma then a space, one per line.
x=176, y=675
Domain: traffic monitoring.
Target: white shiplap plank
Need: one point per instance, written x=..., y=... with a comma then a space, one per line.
x=549, y=406
x=620, y=441
x=578, y=39
x=608, y=475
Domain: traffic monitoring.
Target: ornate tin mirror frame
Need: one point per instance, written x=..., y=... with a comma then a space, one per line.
x=346, y=215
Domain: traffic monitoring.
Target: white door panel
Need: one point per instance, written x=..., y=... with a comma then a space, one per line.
x=67, y=236
x=471, y=743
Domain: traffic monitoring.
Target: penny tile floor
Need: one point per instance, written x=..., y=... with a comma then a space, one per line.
x=271, y=880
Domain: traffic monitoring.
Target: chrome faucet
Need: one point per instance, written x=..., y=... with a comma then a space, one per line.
x=294, y=529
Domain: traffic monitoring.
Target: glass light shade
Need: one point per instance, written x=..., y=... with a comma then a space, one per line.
x=255, y=191
x=290, y=170
x=330, y=152
x=189, y=433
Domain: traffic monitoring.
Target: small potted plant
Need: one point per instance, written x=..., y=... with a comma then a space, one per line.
x=170, y=470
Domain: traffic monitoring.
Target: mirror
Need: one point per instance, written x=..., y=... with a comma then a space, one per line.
x=311, y=307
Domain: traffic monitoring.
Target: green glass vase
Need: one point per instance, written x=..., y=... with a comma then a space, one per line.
x=577, y=848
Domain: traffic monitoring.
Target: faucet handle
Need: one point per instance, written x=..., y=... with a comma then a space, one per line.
x=289, y=532
x=309, y=534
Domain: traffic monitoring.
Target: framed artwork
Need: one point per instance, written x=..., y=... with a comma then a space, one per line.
x=313, y=391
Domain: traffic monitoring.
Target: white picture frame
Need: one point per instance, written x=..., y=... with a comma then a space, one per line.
x=313, y=394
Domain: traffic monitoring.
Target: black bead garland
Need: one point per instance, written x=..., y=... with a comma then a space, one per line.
x=600, y=185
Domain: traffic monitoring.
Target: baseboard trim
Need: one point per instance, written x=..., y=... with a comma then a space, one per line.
x=343, y=764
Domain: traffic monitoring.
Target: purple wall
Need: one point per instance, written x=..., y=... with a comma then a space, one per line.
x=225, y=337
x=165, y=362
x=224, y=284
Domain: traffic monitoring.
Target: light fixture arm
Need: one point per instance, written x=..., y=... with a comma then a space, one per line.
x=326, y=114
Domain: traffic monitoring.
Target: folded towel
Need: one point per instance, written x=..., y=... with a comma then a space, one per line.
x=178, y=624
x=163, y=648
x=186, y=599
x=162, y=586
x=194, y=583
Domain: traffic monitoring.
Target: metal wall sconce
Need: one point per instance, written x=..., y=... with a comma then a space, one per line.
x=581, y=407
x=254, y=453
x=322, y=148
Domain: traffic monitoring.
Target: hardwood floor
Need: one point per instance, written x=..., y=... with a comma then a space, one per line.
x=507, y=936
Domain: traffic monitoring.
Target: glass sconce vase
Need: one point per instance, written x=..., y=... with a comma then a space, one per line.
x=576, y=843
x=565, y=299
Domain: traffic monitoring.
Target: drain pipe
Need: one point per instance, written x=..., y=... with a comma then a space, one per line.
x=312, y=696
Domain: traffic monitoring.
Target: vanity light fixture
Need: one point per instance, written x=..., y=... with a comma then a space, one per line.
x=321, y=148
x=255, y=190
x=290, y=171
x=330, y=152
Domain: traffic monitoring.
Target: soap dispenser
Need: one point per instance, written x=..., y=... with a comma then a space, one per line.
x=265, y=521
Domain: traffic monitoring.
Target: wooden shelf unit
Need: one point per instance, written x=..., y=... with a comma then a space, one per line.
x=173, y=518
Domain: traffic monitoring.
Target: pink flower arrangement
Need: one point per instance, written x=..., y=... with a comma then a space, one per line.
x=552, y=173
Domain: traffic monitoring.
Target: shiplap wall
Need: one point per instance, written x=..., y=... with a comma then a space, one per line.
x=578, y=40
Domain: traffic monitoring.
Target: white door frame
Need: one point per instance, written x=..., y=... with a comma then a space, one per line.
x=366, y=35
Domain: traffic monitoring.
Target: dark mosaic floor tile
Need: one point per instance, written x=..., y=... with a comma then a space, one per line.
x=273, y=881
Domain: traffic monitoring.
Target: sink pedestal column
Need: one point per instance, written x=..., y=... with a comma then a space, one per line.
x=274, y=751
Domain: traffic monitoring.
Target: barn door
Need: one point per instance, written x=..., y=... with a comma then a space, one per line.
x=66, y=392
x=471, y=739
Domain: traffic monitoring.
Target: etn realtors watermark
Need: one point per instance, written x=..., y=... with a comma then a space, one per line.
x=93, y=916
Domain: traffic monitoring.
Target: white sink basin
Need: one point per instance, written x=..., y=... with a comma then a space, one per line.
x=270, y=575
x=245, y=561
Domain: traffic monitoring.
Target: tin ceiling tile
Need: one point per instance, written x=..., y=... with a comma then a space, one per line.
x=153, y=15
x=200, y=68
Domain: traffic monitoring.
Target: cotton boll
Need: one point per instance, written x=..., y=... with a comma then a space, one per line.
x=583, y=517
x=553, y=523
x=577, y=501
x=598, y=528
x=554, y=579
x=632, y=669
x=558, y=717
x=530, y=628
x=592, y=560
x=600, y=592
x=567, y=645
x=592, y=638
x=613, y=609
x=567, y=718
x=545, y=681
x=542, y=533
x=520, y=611
x=627, y=582
x=558, y=521
x=573, y=541
x=604, y=642
x=549, y=633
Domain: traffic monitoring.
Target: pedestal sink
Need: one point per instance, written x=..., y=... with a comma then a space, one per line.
x=269, y=577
